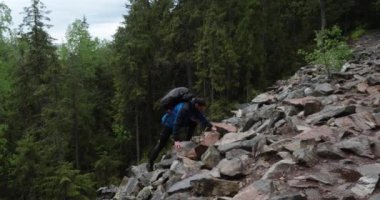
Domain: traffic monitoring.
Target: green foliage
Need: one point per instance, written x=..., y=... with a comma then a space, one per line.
x=72, y=120
x=64, y=182
x=106, y=169
x=357, y=33
x=331, y=49
x=377, y=5
x=220, y=109
x=5, y=19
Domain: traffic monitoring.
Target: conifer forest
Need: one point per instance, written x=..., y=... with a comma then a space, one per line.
x=75, y=115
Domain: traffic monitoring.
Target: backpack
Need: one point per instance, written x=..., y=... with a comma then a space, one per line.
x=175, y=96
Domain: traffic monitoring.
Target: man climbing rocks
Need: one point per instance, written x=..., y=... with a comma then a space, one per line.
x=183, y=115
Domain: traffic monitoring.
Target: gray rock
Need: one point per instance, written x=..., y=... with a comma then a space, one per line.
x=185, y=184
x=358, y=145
x=264, y=126
x=178, y=196
x=365, y=186
x=323, y=89
x=128, y=187
x=106, y=192
x=227, y=147
x=374, y=79
x=268, y=111
x=329, y=112
x=236, y=121
x=306, y=153
x=322, y=177
x=253, y=144
x=376, y=116
x=231, y=167
x=236, y=153
x=250, y=108
x=211, y=157
x=234, y=137
x=290, y=111
x=156, y=175
x=296, y=94
x=159, y=194
x=279, y=169
x=329, y=150
x=308, y=91
x=215, y=187
x=289, y=196
x=376, y=148
x=145, y=193
x=375, y=197
x=165, y=164
x=162, y=179
x=261, y=189
x=263, y=98
x=369, y=169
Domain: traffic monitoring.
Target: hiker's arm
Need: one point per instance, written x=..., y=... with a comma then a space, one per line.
x=203, y=120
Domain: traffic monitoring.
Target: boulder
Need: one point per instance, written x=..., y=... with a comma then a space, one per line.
x=106, y=192
x=279, y=169
x=329, y=112
x=211, y=157
x=264, y=98
x=321, y=133
x=236, y=153
x=260, y=190
x=210, y=138
x=185, y=184
x=312, y=106
x=323, y=89
x=230, y=168
x=289, y=196
x=225, y=127
x=215, y=187
x=145, y=193
x=365, y=186
x=329, y=150
x=358, y=145
x=234, y=137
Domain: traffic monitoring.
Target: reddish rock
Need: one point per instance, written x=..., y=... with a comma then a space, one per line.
x=373, y=90
x=210, y=138
x=320, y=133
x=312, y=106
x=224, y=127
x=258, y=190
x=362, y=87
x=299, y=101
x=234, y=137
x=362, y=120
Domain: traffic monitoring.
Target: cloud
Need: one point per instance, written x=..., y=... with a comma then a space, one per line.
x=103, y=16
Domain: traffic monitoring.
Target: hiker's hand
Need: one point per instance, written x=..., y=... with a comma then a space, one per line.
x=177, y=145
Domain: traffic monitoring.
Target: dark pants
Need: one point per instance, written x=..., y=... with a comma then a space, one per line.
x=164, y=138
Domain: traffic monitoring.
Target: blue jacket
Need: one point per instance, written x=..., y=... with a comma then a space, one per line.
x=181, y=115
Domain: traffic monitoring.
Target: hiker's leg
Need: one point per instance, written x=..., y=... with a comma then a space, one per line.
x=190, y=131
x=164, y=138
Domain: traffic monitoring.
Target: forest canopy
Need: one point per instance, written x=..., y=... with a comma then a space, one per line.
x=75, y=115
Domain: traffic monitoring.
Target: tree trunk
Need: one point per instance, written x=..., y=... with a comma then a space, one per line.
x=323, y=14
x=189, y=73
x=75, y=129
x=137, y=135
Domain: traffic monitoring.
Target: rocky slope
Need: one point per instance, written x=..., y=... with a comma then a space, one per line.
x=309, y=137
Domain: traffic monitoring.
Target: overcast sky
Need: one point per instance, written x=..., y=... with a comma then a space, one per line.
x=103, y=16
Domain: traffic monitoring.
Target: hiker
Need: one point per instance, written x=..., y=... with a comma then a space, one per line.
x=184, y=114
